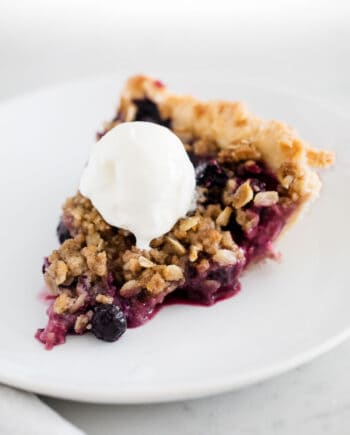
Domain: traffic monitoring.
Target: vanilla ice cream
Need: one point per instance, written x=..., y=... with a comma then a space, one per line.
x=139, y=178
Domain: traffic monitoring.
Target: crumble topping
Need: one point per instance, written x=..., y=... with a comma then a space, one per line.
x=83, y=322
x=97, y=248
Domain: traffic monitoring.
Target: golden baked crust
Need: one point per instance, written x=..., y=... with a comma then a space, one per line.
x=235, y=130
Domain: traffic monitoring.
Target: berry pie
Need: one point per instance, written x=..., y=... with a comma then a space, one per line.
x=253, y=178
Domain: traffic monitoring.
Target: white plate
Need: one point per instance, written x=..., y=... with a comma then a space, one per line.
x=286, y=314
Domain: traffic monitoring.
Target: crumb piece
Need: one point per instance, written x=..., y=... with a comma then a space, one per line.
x=76, y=265
x=145, y=262
x=287, y=181
x=266, y=199
x=320, y=158
x=172, y=273
x=193, y=253
x=225, y=257
x=156, y=243
x=77, y=303
x=243, y=195
x=65, y=304
x=213, y=211
x=131, y=262
x=247, y=219
x=224, y=217
x=96, y=261
x=178, y=233
x=244, y=150
x=156, y=284
x=62, y=303
x=95, y=240
x=158, y=256
x=104, y=299
x=82, y=321
x=177, y=247
x=188, y=223
x=287, y=174
x=58, y=270
x=227, y=241
x=229, y=192
x=204, y=147
x=130, y=288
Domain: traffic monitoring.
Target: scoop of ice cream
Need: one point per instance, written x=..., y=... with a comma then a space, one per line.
x=139, y=178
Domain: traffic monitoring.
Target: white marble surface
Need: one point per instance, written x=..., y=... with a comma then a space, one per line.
x=302, y=45
x=314, y=399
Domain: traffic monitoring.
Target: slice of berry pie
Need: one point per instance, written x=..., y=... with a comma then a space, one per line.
x=253, y=178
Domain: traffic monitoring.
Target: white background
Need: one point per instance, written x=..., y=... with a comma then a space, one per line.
x=300, y=45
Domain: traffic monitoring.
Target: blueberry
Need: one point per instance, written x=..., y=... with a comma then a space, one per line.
x=45, y=265
x=148, y=111
x=108, y=322
x=62, y=232
x=211, y=174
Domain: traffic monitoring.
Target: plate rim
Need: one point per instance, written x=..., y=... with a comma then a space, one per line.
x=187, y=390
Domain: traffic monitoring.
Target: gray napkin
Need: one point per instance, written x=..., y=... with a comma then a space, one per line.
x=24, y=414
